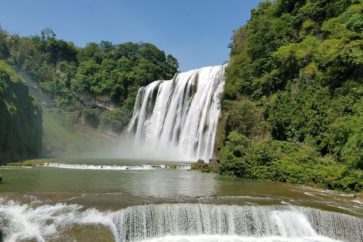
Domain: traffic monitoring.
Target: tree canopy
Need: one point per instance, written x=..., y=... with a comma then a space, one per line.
x=298, y=64
x=20, y=118
x=102, y=71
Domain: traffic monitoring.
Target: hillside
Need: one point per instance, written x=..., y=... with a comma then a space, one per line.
x=20, y=118
x=99, y=81
x=87, y=93
x=293, y=101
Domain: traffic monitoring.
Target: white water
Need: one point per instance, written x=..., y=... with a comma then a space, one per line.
x=116, y=167
x=235, y=238
x=177, y=119
x=101, y=167
x=183, y=222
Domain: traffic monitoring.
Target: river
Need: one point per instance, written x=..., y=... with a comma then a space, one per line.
x=118, y=200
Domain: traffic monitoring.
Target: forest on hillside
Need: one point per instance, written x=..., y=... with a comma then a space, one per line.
x=99, y=80
x=89, y=88
x=20, y=118
x=293, y=101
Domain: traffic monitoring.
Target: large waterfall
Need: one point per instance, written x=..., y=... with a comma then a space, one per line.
x=178, y=222
x=177, y=119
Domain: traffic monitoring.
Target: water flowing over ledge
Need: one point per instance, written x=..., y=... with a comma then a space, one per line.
x=142, y=167
x=179, y=117
x=236, y=238
x=182, y=222
x=101, y=167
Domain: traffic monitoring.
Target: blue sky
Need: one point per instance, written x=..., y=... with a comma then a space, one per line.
x=196, y=32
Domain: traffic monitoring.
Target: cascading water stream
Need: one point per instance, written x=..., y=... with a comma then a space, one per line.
x=177, y=119
x=182, y=222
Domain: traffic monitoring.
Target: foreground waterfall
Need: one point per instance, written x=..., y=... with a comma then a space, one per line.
x=179, y=222
x=179, y=116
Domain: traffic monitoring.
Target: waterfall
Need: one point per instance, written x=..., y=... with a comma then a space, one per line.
x=281, y=223
x=177, y=119
x=181, y=222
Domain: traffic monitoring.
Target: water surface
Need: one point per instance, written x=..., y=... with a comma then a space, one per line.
x=114, y=189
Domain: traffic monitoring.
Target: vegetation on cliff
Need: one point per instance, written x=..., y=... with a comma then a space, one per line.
x=20, y=118
x=293, y=101
x=100, y=81
x=87, y=93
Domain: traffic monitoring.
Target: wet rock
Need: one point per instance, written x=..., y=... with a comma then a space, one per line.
x=84, y=232
x=214, y=161
x=199, y=165
x=172, y=166
x=359, y=196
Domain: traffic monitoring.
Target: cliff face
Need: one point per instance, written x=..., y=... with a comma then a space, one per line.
x=20, y=118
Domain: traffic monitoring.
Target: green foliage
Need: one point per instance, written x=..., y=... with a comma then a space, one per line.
x=245, y=118
x=119, y=70
x=20, y=118
x=4, y=50
x=296, y=69
x=91, y=117
x=115, y=120
x=62, y=138
x=286, y=162
x=76, y=77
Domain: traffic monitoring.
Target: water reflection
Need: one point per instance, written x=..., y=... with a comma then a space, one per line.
x=115, y=189
x=171, y=184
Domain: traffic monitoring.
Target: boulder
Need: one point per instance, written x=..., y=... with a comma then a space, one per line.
x=214, y=161
x=198, y=165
